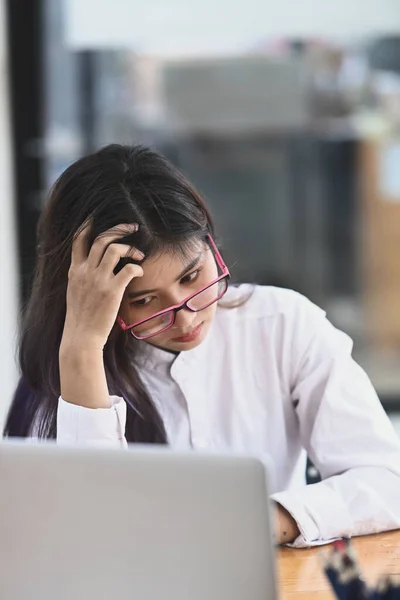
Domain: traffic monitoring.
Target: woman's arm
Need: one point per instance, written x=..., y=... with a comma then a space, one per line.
x=94, y=296
x=82, y=376
x=347, y=435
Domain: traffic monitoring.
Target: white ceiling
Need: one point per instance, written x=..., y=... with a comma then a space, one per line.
x=174, y=27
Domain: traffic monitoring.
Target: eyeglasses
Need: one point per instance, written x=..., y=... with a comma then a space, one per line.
x=200, y=300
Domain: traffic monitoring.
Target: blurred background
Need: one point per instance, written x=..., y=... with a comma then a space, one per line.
x=286, y=115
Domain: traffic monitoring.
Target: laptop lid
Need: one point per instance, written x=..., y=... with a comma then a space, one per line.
x=143, y=523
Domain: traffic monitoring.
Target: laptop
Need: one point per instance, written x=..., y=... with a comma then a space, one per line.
x=143, y=523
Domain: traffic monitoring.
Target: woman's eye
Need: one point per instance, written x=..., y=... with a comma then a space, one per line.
x=191, y=277
x=143, y=301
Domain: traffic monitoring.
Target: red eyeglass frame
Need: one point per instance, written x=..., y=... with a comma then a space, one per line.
x=177, y=307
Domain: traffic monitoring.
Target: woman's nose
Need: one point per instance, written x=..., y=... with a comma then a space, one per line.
x=184, y=319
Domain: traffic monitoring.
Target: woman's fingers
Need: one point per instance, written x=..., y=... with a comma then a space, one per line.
x=106, y=252
x=129, y=272
x=94, y=293
x=113, y=255
x=102, y=242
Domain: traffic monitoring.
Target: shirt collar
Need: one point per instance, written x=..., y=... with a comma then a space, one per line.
x=150, y=357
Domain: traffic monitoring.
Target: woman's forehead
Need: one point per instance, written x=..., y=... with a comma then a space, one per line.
x=162, y=269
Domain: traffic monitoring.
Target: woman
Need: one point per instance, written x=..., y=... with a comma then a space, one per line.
x=126, y=339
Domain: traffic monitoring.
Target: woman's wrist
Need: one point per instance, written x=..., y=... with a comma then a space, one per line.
x=285, y=527
x=82, y=375
x=75, y=341
x=80, y=351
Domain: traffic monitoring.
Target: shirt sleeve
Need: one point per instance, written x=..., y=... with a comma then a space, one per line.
x=92, y=426
x=347, y=435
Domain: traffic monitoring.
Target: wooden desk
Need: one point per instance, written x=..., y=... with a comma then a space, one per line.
x=300, y=575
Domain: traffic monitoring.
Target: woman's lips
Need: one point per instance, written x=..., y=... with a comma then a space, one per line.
x=189, y=337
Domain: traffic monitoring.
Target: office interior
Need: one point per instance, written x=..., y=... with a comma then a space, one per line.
x=289, y=126
x=293, y=139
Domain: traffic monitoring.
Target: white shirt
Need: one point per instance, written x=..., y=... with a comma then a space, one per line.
x=273, y=378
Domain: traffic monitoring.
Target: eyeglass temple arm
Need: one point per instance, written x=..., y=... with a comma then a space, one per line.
x=218, y=256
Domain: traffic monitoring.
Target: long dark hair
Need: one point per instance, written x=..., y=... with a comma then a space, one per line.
x=117, y=184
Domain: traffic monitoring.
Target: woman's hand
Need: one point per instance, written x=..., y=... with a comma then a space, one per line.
x=285, y=527
x=94, y=296
x=94, y=293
